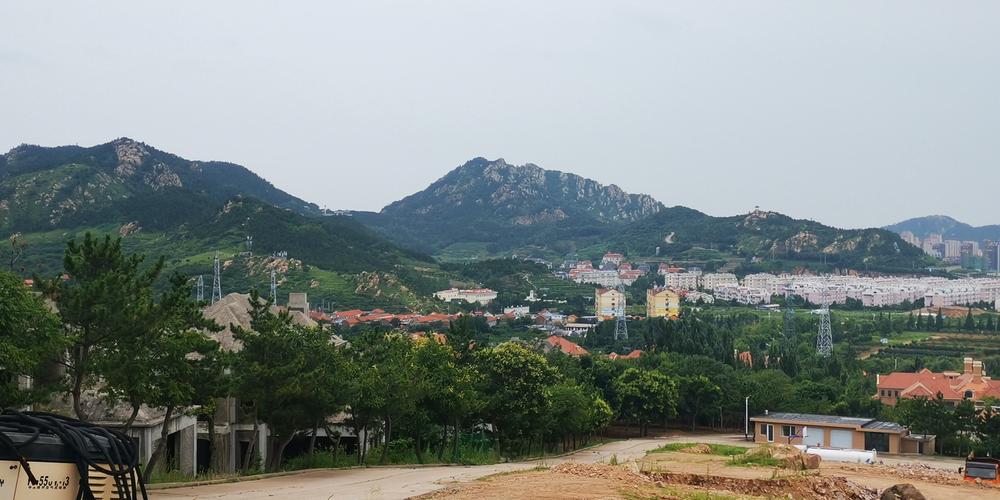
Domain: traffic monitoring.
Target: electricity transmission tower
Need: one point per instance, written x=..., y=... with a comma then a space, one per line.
x=216, y=280
x=621, y=324
x=824, y=341
x=788, y=324
x=200, y=288
x=274, y=287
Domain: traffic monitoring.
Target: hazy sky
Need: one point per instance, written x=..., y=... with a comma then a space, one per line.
x=852, y=113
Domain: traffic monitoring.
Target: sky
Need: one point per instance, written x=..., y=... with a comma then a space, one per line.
x=853, y=113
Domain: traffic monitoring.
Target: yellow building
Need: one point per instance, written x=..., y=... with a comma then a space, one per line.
x=607, y=301
x=662, y=303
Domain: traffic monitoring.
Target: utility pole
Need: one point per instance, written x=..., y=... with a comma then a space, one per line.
x=621, y=324
x=824, y=340
x=216, y=280
x=274, y=287
x=746, y=419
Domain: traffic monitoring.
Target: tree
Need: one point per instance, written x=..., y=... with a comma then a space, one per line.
x=30, y=339
x=104, y=299
x=17, y=247
x=697, y=393
x=515, y=385
x=569, y=414
x=165, y=363
x=282, y=371
x=965, y=415
x=927, y=416
x=645, y=395
x=969, y=324
x=447, y=394
x=390, y=358
x=987, y=429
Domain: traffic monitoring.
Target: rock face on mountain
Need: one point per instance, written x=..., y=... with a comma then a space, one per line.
x=523, y=195
x=509, y=206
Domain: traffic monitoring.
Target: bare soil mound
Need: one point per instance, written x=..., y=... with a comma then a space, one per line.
x=799, y=488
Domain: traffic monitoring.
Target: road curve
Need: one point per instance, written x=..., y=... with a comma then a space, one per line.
x=388, y=482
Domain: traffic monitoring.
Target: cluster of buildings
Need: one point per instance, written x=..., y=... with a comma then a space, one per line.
x=852, y=433
x=722, y=286
x=481, y=296
x=971, y=384
x=357, y=316
x=880, y=291
x=611, y=272
x=984, y=255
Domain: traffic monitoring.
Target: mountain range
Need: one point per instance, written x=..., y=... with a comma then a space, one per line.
x=947, y=227
x=187, y=211
x=504, y=207
x=491, y=207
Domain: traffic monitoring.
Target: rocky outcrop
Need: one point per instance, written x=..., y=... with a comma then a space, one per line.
x=131, y=155
x=904, y=491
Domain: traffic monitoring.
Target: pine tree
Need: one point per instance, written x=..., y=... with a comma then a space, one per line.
x=970, y=324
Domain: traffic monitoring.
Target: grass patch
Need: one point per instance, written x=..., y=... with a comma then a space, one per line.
x=746, y=460
x=717, y=449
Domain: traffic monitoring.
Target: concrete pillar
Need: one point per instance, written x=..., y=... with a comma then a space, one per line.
x=187, y=450
x=262, y=443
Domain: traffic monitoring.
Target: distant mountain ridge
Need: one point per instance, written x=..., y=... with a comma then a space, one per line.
x=185, y=211
x=676, y=231
x=508, y=206
x=496, y=208
x=67, y=186
x=947, y=227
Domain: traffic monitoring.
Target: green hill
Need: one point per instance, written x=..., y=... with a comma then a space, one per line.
x=767, y=236
x=185, y=210
x=498, y=207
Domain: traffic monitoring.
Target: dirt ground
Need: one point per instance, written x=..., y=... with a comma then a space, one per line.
x=933, y=483
x=691, y=475
x=598, y=481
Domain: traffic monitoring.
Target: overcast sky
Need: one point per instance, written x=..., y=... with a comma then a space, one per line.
x=852, y=113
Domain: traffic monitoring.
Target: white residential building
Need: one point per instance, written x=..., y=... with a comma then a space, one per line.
x=605, y=278
x=711, y=281
x=481, y=295
x=743, y=294
x=681, y=281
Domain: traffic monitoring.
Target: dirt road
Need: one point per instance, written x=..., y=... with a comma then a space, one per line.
x=389, y=482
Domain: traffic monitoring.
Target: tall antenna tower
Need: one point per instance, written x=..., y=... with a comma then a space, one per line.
x=199, y=288
x=249, y=244
x=788, y=324
x=824, y=341
x=216, y=280
x=621, y=324
x=274, y=287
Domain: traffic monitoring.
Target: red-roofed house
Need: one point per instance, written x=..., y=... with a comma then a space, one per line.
x=971, y=384
x=566, y=346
